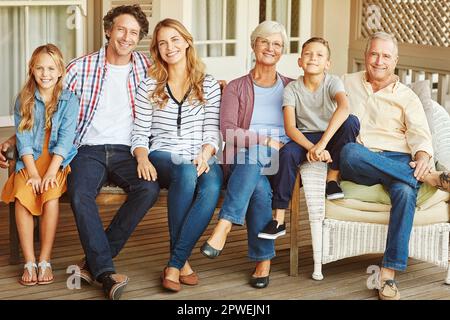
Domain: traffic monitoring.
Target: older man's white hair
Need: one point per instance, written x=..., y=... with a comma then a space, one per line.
x=268, y=28
x=383, y=36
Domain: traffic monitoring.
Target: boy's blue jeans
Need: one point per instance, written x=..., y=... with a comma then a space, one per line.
x=91, y=168
x=392, y=170
x=249, y=198
x=292, y=155
x=191, y=201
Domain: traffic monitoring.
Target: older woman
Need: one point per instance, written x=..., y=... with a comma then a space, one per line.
x=251, y=121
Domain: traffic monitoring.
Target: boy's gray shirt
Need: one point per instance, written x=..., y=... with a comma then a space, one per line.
x=313, y=110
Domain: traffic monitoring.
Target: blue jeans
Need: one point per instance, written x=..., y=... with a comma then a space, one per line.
x=392, y=170
x=191, y=201
x=292, y=155
x=91, y=168
x=249, y=197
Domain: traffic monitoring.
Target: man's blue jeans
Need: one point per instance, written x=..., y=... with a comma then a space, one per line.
x=91, y=168
x=392, y=170
x=191, y=201
x=249, y=197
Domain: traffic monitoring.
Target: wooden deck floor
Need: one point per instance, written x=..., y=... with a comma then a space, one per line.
x=224, y=278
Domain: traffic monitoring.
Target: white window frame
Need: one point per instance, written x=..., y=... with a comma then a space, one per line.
x=229, y=67
x=289, y=60
x=6, y=121
x=224, y=41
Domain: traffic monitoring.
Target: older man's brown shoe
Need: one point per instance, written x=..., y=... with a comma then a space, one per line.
x=388, y=290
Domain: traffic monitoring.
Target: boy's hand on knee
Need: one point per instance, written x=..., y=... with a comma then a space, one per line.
x=316, y=152
x=325, y=157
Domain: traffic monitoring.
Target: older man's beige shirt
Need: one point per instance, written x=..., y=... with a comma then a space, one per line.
x=392, y=119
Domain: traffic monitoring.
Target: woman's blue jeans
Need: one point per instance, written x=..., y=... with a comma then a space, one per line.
x=191, y=201
x=392, y=170
x=249, y=198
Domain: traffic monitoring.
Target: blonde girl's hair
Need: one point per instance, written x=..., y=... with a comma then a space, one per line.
x=195, y=68
x=26, y=95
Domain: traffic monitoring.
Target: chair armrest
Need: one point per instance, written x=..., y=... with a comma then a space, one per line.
x=314, y=177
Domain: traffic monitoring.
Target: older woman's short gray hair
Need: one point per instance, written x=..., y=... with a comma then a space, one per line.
x=383, y=36
x=268, y=28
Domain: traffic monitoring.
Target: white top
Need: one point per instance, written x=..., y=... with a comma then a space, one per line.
x=113, y=119
x=199, y=122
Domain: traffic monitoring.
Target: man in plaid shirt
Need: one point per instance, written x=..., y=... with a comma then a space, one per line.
x=106, y=83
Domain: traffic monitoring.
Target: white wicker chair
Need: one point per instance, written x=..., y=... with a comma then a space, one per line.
x=334, y=239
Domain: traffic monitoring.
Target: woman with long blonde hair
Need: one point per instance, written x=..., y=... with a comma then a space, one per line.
x=177, y=111
x=45, y=118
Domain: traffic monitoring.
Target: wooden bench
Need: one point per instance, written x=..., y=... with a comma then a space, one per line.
x=115, y=196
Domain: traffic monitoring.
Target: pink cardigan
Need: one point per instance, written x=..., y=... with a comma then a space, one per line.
x=236, y=112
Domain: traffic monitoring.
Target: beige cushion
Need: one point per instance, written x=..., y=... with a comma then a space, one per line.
x=437, y=213
x=377, y=194
x=438, y=196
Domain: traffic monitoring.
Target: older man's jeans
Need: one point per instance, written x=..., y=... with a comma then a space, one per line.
x=191, y=201
x=392, y=170
x=91, y=168
x=249, y=197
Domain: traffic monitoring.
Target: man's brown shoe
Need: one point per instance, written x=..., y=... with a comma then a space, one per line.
x=388, y=290
x=190, y=279
x=113, y=285
x=169, y=284
x=85, y=274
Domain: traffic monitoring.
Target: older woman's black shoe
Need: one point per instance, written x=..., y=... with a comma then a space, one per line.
x=259, y=282
x=209, y=251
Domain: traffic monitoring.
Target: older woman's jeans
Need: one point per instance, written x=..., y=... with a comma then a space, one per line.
x=91, y=168
x=191, y=201
x=392, y=170
x=249, y=197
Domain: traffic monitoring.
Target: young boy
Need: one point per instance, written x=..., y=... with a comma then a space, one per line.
x=317, y=120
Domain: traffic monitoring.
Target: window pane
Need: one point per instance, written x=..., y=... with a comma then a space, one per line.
x=278, y=11
x=230, y=49
x=208, y=24
x=12, y=57
x=295, y=18
x=215, y=50
x=231, y=19
x=294, y=47
x=51, y=24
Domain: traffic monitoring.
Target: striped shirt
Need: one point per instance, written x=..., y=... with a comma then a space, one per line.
x=86, y=77
x=199, y=122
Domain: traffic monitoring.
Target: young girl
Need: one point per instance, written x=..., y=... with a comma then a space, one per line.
x=45, y=118
x=177, y=107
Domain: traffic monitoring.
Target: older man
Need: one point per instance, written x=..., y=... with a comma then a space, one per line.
x=394, y=148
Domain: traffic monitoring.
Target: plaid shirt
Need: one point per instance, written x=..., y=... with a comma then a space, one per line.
x=86, y=77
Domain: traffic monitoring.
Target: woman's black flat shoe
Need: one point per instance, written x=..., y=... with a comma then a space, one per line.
x=209, y=251
x=259, y=282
